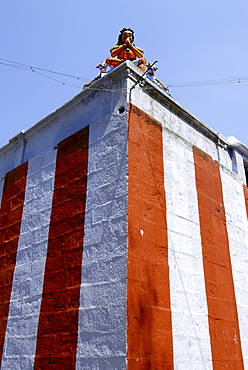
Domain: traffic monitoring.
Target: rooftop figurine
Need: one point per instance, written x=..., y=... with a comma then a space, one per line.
x=150, y=73
x=126, y=50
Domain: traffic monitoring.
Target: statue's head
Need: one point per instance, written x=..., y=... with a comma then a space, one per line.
x=124, y=33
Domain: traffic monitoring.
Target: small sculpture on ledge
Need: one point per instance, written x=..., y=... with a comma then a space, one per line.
x=126, y=50
x=102, y=68
x=150, y=74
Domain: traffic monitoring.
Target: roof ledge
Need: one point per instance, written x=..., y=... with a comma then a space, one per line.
x=234, y=143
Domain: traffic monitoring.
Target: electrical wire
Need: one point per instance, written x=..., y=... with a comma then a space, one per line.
x=27, y=67
x=211, y=82
x=10, y=63
x=54, y=79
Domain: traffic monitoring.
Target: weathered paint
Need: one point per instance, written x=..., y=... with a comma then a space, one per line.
x=58, y=322
x=30, y=264
x=149, y=332
x=10, y=223
x=191, y=341
x=222, y=309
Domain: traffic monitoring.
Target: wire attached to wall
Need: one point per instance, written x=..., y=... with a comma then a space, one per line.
x=37, y=70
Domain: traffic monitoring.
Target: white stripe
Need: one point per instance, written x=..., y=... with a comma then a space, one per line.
x=191, y=341
x=21, y=333
x=1, y=189
x=102, y=313
x=237, y=228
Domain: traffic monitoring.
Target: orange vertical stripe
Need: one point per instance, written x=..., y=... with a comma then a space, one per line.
x=10, y=224
x=149, y=334
x=58, y=323
x=246, y=198
x=222, y=310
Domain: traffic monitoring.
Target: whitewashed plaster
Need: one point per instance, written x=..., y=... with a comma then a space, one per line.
x=191, y=340
x=24, y=309
x=102, y=313
x=237, y=228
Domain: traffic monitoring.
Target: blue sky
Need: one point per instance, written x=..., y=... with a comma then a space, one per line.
x=192, y=40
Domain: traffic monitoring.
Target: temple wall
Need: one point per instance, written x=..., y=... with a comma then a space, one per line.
x=123, y=237
x=64, y=241
x=207, y=252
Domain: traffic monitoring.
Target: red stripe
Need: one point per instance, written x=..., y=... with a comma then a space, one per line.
x=10, y=224
x=222, y=310
x=246, y=198
x=58, y=323
x=149, y=332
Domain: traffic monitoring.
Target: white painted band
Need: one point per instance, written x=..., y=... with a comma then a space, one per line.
x=237, y=228
x=24, y=309
x=102, y=313
x=191, y=341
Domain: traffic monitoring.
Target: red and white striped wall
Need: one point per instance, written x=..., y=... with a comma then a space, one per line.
x=125, y=247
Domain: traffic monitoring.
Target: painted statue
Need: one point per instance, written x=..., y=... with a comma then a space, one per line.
x=126, y=50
